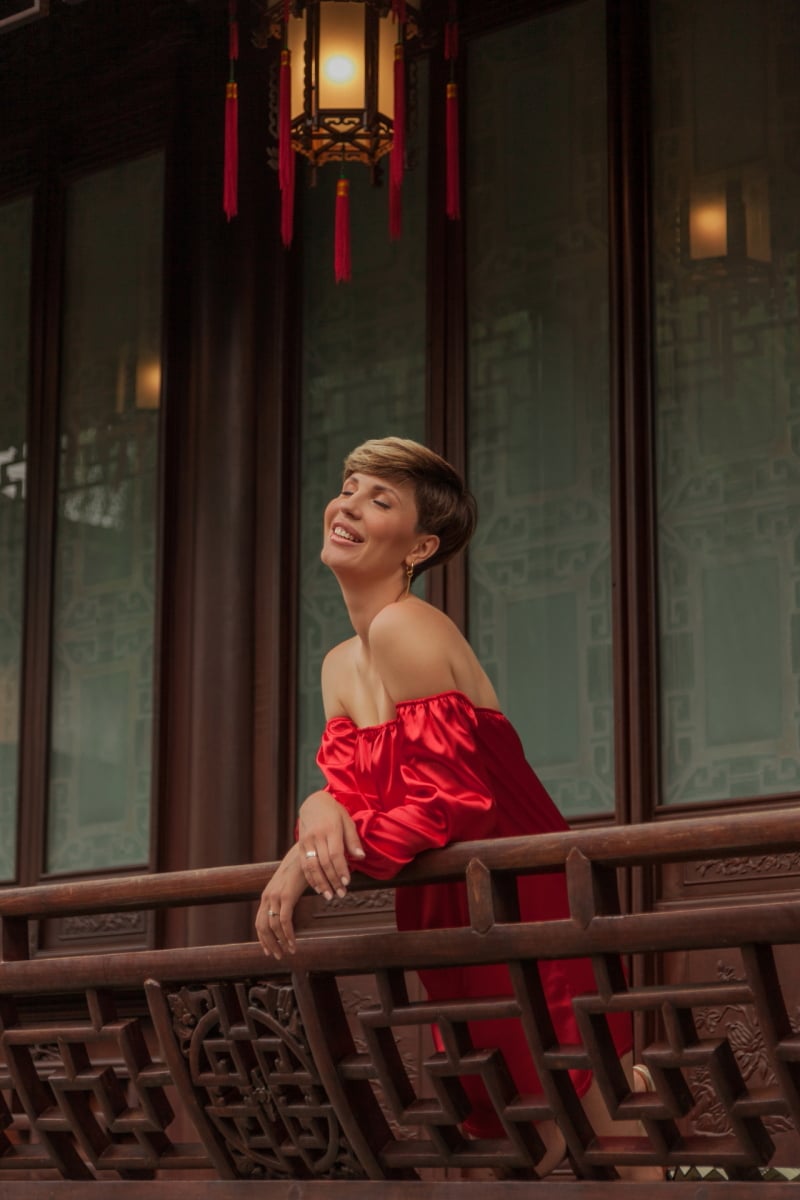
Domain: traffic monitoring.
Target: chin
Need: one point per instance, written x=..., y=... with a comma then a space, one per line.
x=331, y=561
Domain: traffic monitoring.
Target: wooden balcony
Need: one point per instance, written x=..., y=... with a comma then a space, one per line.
x=216, y=1072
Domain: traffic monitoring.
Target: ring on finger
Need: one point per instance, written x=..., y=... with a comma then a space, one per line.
x=311, y=854
x=271, y=912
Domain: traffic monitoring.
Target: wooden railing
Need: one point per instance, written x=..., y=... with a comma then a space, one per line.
x=215, y=1063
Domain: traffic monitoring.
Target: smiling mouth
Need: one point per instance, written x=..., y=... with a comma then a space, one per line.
x=339, y=532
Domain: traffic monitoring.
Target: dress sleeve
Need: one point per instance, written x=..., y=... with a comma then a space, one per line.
x=426, y=784
x=336, y=758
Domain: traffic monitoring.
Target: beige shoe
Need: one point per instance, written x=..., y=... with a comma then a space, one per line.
x=642, y=1079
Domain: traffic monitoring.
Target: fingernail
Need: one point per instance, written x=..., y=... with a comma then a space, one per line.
x=292, y=948
x=328, y=895
x=341, y=893
x=345, y=880
x=361, y=854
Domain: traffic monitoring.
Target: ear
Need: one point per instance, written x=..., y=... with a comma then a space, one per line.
x=425, y=548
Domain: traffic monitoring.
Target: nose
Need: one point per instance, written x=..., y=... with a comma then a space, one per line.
x=350, y=505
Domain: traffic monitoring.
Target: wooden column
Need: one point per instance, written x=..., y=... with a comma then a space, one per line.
x=220, y=276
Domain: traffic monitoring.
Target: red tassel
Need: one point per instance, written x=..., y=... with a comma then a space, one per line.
x=399, y=10
x=230, y=188
x=397, y=161
x=398, y=152
x=342, y=232
x=285, y=117
x=285, y=151
x=451, y=150
x=230, y=173
x=287, y=206
x=395, y=211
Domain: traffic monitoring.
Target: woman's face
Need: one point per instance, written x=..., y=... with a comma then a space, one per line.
x=371, y=527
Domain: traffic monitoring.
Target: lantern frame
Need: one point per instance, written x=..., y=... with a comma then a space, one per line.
x=364, y=133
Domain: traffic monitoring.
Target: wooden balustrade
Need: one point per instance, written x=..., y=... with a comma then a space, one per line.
x=108, y=1060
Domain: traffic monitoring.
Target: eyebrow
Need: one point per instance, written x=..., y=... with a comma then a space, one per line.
x=376, y=487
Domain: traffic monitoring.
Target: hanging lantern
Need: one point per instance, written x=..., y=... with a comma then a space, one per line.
x=341, y=84
x=341, y=98
x=729, y=220
x=342, y=94
x=337, y=95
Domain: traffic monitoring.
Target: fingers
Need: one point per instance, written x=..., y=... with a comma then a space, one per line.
x=327, y=835
x=286, y=927
x=325, y=866
x=352, y=842
x=275, y=927
x=314, y=873
x=324, y=856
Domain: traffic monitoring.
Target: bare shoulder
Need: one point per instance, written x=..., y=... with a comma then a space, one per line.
x=336, y=667
x=407, y=614
x=418, y=651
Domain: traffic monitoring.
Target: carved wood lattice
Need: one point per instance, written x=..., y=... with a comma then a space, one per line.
x=298, y=1076
x=277, y=1088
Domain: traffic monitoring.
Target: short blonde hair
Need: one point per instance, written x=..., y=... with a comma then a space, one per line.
x=445, y=507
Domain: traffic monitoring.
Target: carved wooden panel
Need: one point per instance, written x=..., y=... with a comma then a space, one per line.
x=749, y=868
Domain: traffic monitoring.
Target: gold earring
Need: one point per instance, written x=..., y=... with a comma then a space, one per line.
x=409, y=576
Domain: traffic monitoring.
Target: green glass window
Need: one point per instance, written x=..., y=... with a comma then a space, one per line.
x=727, y=232
x=104, y=595
x=363, y=376
x=538, y=378
x=15, y=282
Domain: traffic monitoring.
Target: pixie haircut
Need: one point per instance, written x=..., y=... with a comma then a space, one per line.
x=444, y=505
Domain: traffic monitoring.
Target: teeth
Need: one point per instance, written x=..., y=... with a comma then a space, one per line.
x=343, y=533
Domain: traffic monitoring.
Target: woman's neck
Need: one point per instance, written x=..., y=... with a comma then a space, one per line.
x=364, y=601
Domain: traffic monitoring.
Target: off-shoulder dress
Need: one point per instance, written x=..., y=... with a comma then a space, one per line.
x=442, y=771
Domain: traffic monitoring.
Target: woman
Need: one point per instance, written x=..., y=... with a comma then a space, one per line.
x=416, y=752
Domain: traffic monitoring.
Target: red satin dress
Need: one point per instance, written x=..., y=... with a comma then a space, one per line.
x=445, y=771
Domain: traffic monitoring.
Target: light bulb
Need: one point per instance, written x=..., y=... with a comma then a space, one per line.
x=708, y=229
x=339, y=68
x=148, y=383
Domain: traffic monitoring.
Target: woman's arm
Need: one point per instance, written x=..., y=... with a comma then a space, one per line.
x=416, y=653
x=326, y=867
x=325, y=831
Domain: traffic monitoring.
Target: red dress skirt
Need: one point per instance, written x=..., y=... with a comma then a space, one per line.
x=445, y=771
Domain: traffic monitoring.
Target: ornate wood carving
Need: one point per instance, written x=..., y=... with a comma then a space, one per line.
x=739, y=1022
x=379, y=901
x=248, y=1057
x=762, y=866
x=100, y=925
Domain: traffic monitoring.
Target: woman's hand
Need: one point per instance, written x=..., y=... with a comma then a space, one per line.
x=326, y=834
x=278, y=900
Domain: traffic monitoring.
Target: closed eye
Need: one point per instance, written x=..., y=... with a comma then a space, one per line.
x=382, y=504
